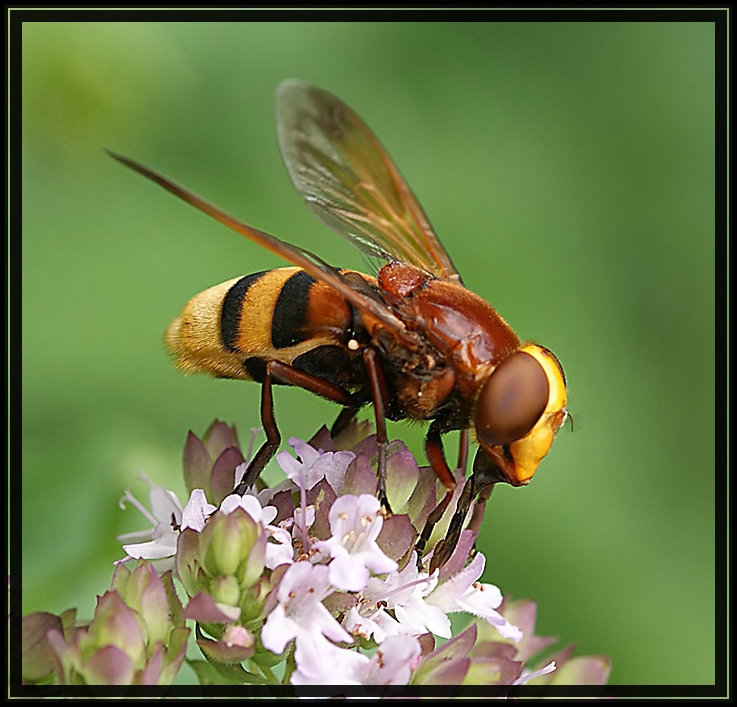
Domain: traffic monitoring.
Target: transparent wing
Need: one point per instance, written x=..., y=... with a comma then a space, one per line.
x=349, y=181
x=310, y=263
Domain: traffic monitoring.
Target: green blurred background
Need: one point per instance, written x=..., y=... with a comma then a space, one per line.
x=568, y=169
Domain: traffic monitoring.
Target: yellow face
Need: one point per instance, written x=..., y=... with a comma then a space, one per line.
x=518, y=460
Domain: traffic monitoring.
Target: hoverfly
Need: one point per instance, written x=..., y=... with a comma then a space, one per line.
x=411, y=340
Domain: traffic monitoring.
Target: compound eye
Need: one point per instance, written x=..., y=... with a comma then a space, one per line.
x=512, y=400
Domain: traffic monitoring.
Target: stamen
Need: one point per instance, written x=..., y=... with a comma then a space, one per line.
x=132, y=499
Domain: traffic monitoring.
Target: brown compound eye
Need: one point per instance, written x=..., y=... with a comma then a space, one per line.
x=512, y=400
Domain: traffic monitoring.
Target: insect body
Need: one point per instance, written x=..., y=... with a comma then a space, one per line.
x=412, y=340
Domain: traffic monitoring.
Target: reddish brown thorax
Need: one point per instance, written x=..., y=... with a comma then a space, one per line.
x=458, y=322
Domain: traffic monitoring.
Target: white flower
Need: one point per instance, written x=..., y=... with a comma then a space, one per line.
x=361, y=620
x=165, y=516
x=393, y=662
x=250, y=504
x=320, y=662
x=197, y=511
x=168, y=519
x=312, y=465
x=279, y=549
x=300, y=613
x=404, y=594
x=462, y=592
x=355, y=522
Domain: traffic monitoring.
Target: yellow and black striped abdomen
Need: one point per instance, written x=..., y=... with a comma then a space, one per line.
x=231, y=330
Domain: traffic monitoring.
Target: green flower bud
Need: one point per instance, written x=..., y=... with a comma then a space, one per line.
x=228, y=540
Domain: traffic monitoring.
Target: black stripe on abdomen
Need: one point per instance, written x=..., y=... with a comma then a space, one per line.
x=290, y=311
x=230, y=315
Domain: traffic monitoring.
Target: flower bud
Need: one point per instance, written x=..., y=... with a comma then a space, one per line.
x=210, y=462
x=136, y=636
x=144, y=591
x=228, y=540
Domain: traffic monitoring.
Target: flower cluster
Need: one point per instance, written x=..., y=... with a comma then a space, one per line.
x=309, y=582
x=136, y=637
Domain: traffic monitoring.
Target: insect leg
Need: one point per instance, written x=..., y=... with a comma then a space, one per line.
x=480, y=484
x=444, y=548
x=287, y=374
x=436, y=457
x=480, y=508
x=463, y=451
x=269, y=447
x=380, y=397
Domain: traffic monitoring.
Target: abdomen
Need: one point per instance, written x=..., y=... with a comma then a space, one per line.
x=233, y=329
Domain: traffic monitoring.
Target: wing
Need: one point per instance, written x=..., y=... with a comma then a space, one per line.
x=349, y=181
x=302, y=258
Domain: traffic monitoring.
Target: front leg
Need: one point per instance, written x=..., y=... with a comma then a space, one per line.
x=479, y=485
x=436, y=457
